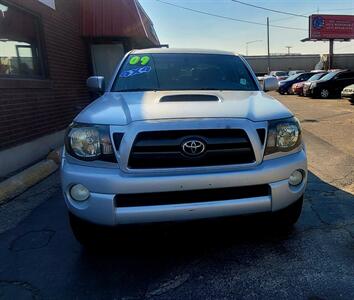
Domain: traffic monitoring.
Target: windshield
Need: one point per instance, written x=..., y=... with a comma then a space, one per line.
x=281, y=73
x=183, y=72
x=292, y=77
x=316, y=76
x=329, y=76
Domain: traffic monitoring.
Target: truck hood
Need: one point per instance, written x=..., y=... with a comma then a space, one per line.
x=115, y=108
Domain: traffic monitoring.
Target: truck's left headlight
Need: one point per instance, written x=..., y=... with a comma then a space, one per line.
x=89, y=142
x=283, y=135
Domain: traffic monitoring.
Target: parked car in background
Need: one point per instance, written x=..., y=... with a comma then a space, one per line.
x=285, y=86
x=293, y=72
x=298, y=88
x=331, y=85
x=348, y=92
x=318, y=71
x=279, y=75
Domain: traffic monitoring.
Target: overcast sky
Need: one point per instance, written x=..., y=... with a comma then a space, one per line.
x=181, y=28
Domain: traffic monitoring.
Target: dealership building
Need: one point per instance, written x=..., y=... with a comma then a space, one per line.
x=48, y=48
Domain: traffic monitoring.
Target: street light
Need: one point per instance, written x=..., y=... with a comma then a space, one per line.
x=251, y=42
x=288, y=47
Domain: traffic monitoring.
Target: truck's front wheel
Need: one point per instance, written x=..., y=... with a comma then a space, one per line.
x=288, y=216
x=87, y=234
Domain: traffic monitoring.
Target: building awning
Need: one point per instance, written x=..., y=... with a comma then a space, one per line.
x=117, y=19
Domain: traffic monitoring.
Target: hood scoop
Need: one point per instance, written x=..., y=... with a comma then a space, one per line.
x=189, y=98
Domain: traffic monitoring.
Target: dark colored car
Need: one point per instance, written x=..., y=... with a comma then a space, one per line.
x=331, y=85
x=301, y=88
x=285, y=86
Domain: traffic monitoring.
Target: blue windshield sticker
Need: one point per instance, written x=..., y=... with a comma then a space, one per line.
x=243, y=81
x=134, y=72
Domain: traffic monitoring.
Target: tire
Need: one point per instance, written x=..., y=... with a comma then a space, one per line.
x=87, y=234
x=290, y=91
x=288, y=216
x=281, y=93
x=324, y=93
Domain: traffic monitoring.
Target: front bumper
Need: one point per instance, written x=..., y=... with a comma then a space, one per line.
x=297, y=90
x=306, y=93
x=349, y=95
x=283, y=89
x=311, y=92
x=105, y=185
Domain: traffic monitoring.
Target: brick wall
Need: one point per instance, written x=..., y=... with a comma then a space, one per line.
x=33, y=108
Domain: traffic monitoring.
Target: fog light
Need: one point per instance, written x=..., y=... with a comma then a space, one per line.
x=79, y=193
x=296, y=177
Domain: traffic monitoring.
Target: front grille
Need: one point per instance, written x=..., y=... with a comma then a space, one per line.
x=193, y=196
x=163, y=149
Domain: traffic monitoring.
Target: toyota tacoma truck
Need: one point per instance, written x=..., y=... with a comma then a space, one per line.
x=177, y=135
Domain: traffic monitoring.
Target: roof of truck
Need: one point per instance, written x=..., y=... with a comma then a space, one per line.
x=182, y=50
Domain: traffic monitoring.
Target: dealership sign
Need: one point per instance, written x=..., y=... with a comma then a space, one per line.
x=331, y=27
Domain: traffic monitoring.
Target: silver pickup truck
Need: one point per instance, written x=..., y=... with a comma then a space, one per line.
x=182, y=134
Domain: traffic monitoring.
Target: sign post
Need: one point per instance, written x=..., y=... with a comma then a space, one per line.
x=330, y=56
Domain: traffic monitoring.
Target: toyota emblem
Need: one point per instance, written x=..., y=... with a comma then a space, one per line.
x=193, y=147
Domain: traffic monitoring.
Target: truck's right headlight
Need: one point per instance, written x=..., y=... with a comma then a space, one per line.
x=284, y=135
x=89, y=142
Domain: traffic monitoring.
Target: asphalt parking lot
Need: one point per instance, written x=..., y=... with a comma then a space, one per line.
x=242, y=258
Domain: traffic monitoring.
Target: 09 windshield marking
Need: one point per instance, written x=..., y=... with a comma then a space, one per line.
x=152, y=72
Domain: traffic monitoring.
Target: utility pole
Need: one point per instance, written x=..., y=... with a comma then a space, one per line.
x=289, y=47
x=268, y=49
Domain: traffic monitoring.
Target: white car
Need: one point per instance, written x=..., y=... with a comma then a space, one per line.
x=279, y=75
x=294, y=72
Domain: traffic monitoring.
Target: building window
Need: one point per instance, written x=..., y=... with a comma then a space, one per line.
x=20, y=53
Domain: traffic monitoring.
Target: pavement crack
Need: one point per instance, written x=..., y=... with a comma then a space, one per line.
x=169, y=285
x=21, y=289
x=328, y=228
x=317, y=214
x=351, y=234
x=183, y=274
x=351, y=172
x=35, y=239
x=334, y=115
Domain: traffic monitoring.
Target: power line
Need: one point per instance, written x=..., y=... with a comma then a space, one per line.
x=288, y=18
x=313, y=12
x=272, y=10
x=229, y=18
x=337, y=9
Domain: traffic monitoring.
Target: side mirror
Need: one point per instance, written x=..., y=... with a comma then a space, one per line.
x=270, y=84
x=96, y=84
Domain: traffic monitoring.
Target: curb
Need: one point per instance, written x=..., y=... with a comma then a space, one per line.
x=17, y=184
